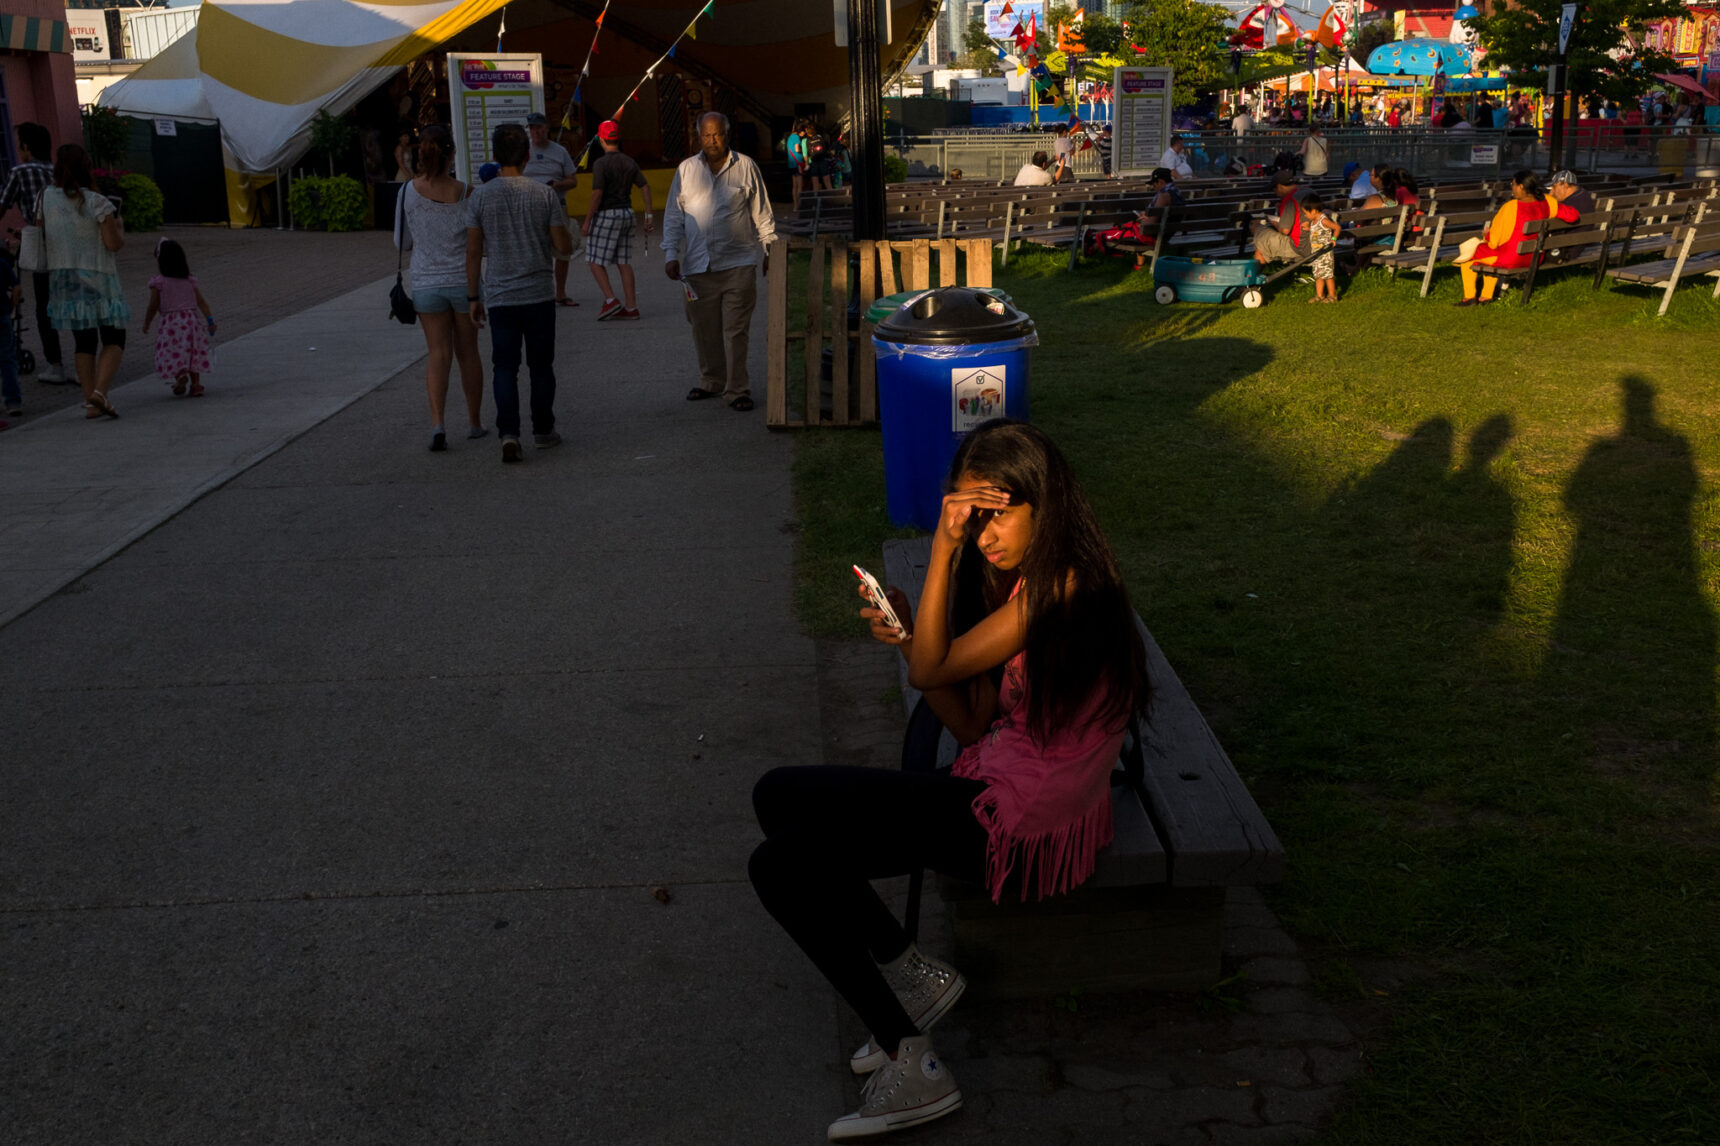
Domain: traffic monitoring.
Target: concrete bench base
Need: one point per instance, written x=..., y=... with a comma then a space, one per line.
x=1100, y=939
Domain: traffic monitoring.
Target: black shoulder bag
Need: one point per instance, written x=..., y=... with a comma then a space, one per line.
x=400, y=305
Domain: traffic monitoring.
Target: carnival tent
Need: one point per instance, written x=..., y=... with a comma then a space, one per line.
x=1419, y=58
x=263, y=69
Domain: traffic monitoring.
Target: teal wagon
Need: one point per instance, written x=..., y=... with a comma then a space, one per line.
x=1196, y=279
x=1208, y=280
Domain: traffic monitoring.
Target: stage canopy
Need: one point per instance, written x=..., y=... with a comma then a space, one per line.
x=263, y=69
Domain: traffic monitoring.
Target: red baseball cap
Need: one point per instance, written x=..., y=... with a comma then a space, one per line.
x=609, y=129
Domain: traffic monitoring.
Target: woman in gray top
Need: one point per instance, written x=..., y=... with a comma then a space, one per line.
x=431, y=223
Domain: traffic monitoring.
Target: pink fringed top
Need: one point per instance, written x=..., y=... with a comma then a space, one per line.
x=1047, y=807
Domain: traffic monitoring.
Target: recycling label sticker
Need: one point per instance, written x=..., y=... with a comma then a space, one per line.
x=976, y=394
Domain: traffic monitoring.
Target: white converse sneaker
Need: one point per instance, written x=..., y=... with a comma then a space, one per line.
x=912, y=1088
x=927, y=988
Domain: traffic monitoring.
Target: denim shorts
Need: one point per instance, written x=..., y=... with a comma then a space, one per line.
x=435, y=300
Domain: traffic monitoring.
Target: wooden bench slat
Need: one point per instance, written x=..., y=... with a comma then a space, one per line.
x=1213, y=829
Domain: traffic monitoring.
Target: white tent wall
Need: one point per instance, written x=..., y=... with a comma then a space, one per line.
x=263, y=70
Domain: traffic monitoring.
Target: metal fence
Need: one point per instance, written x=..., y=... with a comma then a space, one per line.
x=1605, y=148
x=982, y=154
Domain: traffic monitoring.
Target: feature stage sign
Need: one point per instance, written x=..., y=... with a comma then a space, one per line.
x=489, y=91
x=1001, y=27
x=1142, y=127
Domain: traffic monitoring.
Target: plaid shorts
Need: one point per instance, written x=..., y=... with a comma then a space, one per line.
x=611, y=238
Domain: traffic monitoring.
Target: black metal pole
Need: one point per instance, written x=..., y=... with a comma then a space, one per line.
x=866, y=119
x=1556, y=137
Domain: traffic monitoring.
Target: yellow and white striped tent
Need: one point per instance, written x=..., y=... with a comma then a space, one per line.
x=263, y=69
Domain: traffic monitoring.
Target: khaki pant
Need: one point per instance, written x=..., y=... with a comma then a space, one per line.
x=721, y=318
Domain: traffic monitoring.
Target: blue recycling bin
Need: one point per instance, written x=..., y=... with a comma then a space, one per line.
x=948, y=360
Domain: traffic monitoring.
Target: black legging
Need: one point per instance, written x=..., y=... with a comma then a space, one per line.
x=84, y=341
x=828, y=831
x=50, y=336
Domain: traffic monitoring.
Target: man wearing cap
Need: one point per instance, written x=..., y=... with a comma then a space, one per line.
x=1166, y=197
x=608, y=227
x=1285, y=238
x=718, y=226
x=550, y=163
x=1352, y=175
x=1564, y=188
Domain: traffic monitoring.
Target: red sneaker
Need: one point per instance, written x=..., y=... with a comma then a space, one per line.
x=626, y=315
x=611, y=308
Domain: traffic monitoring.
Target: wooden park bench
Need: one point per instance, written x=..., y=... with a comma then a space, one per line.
x=1698, y=254
x=1152, y=915
x=1587, y=241
x=1441, y=236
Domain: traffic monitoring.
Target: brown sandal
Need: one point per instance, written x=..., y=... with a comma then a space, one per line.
x=102, y=405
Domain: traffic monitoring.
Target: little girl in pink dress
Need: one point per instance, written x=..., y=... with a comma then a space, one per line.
x=182, y=344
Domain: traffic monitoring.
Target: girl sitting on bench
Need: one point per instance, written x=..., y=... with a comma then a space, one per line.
x=1027, y=806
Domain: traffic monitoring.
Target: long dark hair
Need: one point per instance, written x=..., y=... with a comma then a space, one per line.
x=170, y=260
x=1081, y=634
x=1529, y=180
x=435, y=150
x=72, y=172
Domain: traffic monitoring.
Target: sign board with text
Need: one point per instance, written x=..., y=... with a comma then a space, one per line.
x=1141, y=130
x=486, y=92
x=87, y=33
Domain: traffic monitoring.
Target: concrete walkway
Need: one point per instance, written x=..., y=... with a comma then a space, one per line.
x=375, y=795
x=79, y=492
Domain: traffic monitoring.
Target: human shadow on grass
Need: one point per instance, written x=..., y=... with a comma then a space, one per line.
x=1416, y=560
x=1633, y=651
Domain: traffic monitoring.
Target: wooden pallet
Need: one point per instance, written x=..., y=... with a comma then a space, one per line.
x=881, y=266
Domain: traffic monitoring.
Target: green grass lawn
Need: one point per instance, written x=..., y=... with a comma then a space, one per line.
x=1444, y=582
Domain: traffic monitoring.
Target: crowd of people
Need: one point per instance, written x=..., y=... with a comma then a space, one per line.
x=495, y=255
x=492, y=255
x=818, y=159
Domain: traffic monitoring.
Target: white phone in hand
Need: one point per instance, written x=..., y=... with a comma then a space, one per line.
x=875, y=592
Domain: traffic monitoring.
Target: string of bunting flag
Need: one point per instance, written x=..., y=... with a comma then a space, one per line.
x=686, y=33
x=584, y=69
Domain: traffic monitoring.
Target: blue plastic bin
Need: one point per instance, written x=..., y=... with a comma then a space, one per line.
x=947, y=361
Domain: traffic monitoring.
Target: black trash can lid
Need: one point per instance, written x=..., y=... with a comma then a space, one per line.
x=954, y=316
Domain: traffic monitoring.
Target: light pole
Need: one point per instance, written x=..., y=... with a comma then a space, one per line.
x=866, y=119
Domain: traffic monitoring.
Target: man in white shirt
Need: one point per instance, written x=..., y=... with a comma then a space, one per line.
x=716, y=228
x=1243, y=123
x=1172, y=160
x=1033, y=173
x=1064, y=146
x=550, y=163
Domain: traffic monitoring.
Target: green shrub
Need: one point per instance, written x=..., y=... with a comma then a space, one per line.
x=337, y=204
x=344, y=204
x=143, y=202
x=895, y=169
x=306, y=199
